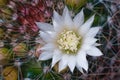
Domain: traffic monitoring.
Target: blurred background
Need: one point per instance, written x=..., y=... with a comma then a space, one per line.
x=19, y=39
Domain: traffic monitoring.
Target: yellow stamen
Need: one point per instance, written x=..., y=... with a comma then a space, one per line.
x=69, y=42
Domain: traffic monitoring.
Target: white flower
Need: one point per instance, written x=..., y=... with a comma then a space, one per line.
x=68, y=41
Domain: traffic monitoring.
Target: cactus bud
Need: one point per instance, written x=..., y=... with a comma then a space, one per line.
x=4, y=55
x=20, y=49
x=3, y=2
x=1, y=33
x=6, y=13
x=75, y=4
x=10, y=73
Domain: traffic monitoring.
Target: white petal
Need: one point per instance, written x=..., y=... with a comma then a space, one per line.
x=45, y=26
x=94, y=52
x=52, y=34
x=63, y=62
x=57, y=22
x=86, y=26
x=72, y=63
x=97, y=44
x=92, y=32
x=79, y=19
x=48, y=46
x=80, y=68
x=67, y=18
x=45, y=55
x=45, y=36
x=82, y=61
x=56, y=57
x=89, y=41
x=85, y=47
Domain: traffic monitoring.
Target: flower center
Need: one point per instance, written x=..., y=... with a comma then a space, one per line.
x=69, y=42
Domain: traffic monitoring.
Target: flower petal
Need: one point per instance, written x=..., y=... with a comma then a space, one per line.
x=56, y=57
x=45, y=55
x=89, y=41
x=97, y=44
x=63, y=62
x=72, y=62
x=45, y=26
x=82, y=61
x=57, y=22
x=80, y=68
x=45, y=36
x=79, y=19
x=92, y=32
x=94, y=52
x=67, y=18
x=86, y=26
x=85, y=47
x=48, y=46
